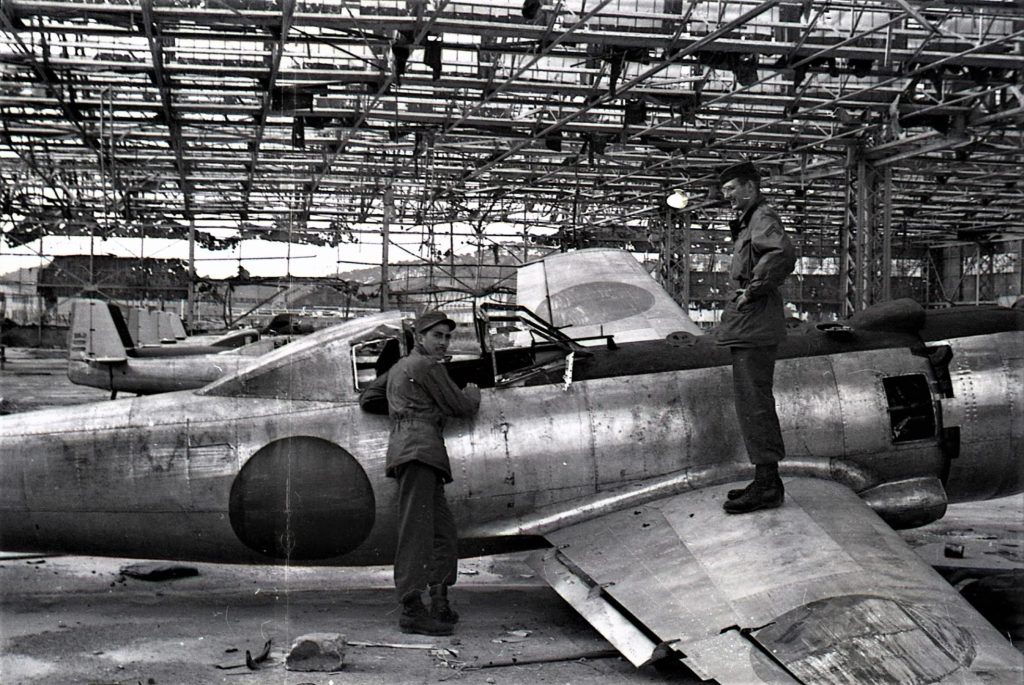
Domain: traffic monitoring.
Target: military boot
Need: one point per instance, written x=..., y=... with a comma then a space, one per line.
x=766, y=492
x=416, y=619
x=739, y=492
x=439, y=607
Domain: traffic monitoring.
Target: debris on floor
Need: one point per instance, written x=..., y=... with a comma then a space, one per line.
x=549, y=659
x=449, y=658
x=512, y=636
x=317, y=652
x=158, y=571
x=252, y=663
x=395, y=645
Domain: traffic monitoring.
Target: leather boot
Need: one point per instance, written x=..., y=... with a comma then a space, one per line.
x=439, y=607
x=767, y=473
x=739, y=492
x=766, y=492
x=416, y=619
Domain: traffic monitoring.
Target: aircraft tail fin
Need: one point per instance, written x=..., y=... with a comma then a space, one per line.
x=165, y=327
x=597, y=292
x=135, y=315
x=177, y=327
x=149, y=328
x=142, y=327
x=98, y=333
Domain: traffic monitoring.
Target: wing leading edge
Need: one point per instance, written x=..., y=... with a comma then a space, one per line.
x=818, y=591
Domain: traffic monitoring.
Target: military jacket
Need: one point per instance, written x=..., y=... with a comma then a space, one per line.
x=420, y=396
x=762, y=258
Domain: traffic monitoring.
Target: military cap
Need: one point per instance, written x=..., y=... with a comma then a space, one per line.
x=431, y=319
x=745, y=171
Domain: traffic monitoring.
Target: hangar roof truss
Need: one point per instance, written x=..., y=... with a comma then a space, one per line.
x=287, y=119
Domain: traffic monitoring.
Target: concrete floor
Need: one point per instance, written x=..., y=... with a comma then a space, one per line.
x=79, y=620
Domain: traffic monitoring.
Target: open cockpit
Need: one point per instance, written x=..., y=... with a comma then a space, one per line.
x=509, y=346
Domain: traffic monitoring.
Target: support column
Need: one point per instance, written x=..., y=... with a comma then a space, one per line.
x=847, y=246
x=883, y=214
x=674, y=255
x=977, y=273
x=864, y=214
x=389, y=202
x=684, y=273
x=190, y=311
x=865, y=272
x=1020, y=267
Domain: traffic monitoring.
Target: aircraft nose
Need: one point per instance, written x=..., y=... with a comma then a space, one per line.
x=302, y=498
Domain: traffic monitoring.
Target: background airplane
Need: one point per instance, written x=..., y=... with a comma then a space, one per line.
x=102, y=354
x=149, y=327
x=612, y=460
x=158, y=329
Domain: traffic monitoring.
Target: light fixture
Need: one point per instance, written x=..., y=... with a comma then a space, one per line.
x=677, y=199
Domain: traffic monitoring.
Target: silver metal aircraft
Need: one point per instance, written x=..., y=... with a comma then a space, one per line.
x=103, y=354
x=611, y=459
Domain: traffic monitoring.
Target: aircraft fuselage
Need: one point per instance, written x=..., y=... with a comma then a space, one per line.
x=258, y=479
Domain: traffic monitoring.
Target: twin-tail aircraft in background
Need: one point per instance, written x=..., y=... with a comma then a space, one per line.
x=102, y=353
x=151, y=328
x=610, y=456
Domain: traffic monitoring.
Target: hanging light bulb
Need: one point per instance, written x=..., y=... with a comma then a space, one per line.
x=677, y=199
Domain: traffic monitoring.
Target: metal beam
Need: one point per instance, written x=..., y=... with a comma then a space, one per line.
x=174, y=137
x=287, y=14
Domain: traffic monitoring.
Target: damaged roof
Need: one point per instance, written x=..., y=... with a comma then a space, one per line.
x=308, y=120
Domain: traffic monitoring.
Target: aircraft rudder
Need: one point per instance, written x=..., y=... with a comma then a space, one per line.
x=81, y=330
x=95, y=335
x=149, y=328
x=177, y=326
x=165, y=327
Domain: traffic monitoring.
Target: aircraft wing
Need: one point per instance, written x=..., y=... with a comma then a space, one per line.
x=820, y=590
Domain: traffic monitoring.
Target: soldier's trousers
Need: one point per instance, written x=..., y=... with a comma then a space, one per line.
x=427, y=551
x=753, y=373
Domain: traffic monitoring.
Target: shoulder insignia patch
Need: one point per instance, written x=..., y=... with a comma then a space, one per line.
x=773, y=229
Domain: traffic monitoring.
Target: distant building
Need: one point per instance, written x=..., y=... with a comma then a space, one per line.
x=19, y=301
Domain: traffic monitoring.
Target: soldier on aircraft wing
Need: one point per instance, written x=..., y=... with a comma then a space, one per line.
x=753, y=325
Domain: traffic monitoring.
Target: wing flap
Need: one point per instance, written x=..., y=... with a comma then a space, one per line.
x=737, y=658
x=624, y=553
x=820, y=590
x=630, y=640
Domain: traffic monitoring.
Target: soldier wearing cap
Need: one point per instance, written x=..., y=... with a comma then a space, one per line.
x=420, y=396
x=753, y=324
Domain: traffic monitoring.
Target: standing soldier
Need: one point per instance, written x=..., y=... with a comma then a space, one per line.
x=753, y=325
x=421, y=395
